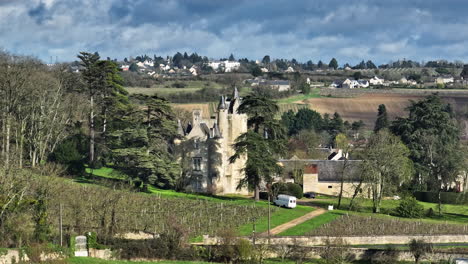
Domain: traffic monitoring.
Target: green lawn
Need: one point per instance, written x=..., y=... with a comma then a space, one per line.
x=311, y=224
x=314, y=93
x=106, y=172
x=281, y=216
x=451, y=213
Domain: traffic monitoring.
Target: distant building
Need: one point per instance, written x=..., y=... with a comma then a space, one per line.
x=444, y=79
x=280, y=85
x=324, y=176
x=347, y=84
x=226, y=65
x=193, y=71
x=363, y=83
x=376, y=81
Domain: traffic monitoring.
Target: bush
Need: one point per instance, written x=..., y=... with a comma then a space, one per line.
x=179, y=85
x=289, y=188
x=419, y=249
x=410, y=208
x=446, y=197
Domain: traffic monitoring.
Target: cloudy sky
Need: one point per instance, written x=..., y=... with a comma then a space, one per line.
x=350, y=30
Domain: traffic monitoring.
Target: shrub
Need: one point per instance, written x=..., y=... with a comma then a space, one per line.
x=68, y=153
x=430, y=212
x=335, y=252
x=410, y=208
x=446, y=197
x=179, y=85
x=289, y=188
x=419, y=249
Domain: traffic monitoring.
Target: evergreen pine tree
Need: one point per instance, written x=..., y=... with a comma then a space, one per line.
x=382, y=118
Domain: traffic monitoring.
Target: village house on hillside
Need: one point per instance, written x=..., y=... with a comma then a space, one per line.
x=224, y=65
x=444, y=79
x=280, y=85
x=349, y=84
x=211, y=143
x=376, y=81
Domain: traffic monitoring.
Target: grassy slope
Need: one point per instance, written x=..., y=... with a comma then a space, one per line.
x=452, y=213
x=279, y=215
x=314, y=93
x=311, y=224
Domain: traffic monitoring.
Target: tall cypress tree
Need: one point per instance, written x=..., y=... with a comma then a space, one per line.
x=382, y=119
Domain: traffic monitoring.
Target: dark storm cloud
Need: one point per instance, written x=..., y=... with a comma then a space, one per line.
x=349, y=30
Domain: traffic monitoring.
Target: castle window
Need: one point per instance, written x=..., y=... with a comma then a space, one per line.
x=196, y=144
x=329, y=186
x=197, y=164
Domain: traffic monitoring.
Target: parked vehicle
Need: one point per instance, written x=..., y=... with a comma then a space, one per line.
x=309, y=195
x=287, y=201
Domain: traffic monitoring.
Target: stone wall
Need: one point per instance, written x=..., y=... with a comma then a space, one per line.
x=11, y=256
x=350, y=240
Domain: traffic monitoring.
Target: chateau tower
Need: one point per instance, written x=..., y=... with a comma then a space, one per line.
x=212, y=171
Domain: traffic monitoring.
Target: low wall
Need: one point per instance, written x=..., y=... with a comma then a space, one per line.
x=100, y=253
x=11, y=256
x=350, y=240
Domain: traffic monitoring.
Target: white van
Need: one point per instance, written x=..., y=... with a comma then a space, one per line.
x=287, y=201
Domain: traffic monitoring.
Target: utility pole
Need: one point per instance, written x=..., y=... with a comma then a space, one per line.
x=61, y=226
x=269, y=216
x=253, y=231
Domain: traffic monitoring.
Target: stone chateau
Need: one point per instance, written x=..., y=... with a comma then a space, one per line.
x=212, y=141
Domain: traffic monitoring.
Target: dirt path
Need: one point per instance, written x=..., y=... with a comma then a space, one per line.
x=295, y=222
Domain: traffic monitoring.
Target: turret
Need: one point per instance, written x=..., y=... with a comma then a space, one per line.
x=222, y=117
x=222, y=103
x=196, y=117
x=235, y=101
x=180, y=129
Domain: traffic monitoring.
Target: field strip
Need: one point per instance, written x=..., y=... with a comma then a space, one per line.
x=297, y=221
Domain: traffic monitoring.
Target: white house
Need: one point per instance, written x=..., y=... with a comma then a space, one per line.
x=376, y=81
x=350, y=84
x=290, y=69
x=149, y=63
x=444, y=79
x=193, y=71
x=280, y=85
x=228, y=66
x=363, y=83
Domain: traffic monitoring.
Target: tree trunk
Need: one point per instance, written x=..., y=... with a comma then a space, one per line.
x=439, y=201
x=340, y=195
x=7, y=147
x=91, y=133
x=257, y=193
x=356, y=192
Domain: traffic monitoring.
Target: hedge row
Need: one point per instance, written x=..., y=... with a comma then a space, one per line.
x=446, y=197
